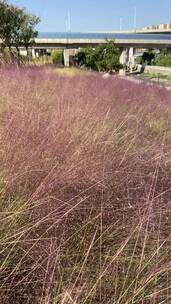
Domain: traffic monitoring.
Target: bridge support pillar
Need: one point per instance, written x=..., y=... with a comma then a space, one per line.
x=33, y=53
x=67, y=54
x=131, y=62
x=66, y=58
x=123, y=60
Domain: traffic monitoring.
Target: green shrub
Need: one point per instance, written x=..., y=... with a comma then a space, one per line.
x=102, y=58
x=148, y=57
x=138, y=60
x=57, y=57
x=163, y=60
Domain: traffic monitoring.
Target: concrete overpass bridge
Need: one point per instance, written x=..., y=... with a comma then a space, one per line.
x=49, y=43
x=126, y=42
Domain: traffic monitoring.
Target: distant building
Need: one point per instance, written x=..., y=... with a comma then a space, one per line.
x=161, y=26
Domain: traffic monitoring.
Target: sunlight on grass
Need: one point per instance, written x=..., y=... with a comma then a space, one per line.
x=70, y=72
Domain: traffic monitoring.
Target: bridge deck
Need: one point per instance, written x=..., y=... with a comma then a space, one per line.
x=141, y=43
x=76, y=40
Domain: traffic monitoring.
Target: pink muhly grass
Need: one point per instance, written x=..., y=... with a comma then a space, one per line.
x=84, y=188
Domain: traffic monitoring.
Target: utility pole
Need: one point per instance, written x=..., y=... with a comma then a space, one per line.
x=135, y=18
x=121, y=24
x=68, y=23
x=66, y=26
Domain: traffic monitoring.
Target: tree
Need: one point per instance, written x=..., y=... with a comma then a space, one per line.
x=17, y=28
x=9, y=23
x=28, y=32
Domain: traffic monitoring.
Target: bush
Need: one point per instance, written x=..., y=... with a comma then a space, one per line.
x=163, y=60
x=57, y=57
x=138, y=60
x=102, y=58
x=148, y=57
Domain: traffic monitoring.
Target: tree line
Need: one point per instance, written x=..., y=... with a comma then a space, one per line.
x=17, y=27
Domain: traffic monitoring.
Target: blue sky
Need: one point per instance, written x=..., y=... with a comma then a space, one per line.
x=96, y=15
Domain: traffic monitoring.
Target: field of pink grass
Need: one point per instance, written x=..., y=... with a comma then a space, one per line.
x=85, y=168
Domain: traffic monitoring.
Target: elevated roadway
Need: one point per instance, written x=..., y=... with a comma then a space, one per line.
x=126, y=42
x=124, y=39
x=155, y=42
